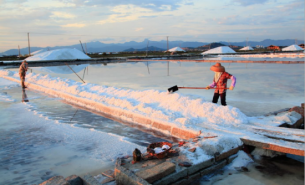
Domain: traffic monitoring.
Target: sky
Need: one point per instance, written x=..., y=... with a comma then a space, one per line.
x=65, y=22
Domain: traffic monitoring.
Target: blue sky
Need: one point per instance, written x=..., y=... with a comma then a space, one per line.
x=65, y=22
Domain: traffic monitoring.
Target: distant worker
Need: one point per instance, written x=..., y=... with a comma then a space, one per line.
x=220, y=81
x=22, y=72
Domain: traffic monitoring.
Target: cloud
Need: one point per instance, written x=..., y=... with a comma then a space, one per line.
x=293, y=6
x=249, y=2
x=125, y=13
x=30, y=15
x=74, y=25
x=118, y=18
x=157, y=5
x=139, y=29
x=288, y=13
x=3, y=28
x=13, y=1
x=151, y=16
x=189, y=3
x=251, y=20
x=229, y=20
x=104, y=39
x=62, y=15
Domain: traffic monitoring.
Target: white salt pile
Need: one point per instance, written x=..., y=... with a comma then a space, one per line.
x=59, y=54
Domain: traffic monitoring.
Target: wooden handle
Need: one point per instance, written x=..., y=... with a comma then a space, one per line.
x=199, y=88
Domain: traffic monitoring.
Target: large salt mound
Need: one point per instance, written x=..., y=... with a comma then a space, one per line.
x=293, y=48
x=247, y=48
x=221, y=49
x=59, y=54
x=39, y=51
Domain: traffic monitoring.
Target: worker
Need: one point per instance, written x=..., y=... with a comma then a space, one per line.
x=22, y=72
x=220, y=81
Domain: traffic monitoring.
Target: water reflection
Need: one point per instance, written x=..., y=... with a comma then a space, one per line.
x=249, y=58
x=24, y=96
x=63, y=69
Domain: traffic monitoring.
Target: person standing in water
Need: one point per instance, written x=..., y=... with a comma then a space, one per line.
x=22, y=72
x=220, y=81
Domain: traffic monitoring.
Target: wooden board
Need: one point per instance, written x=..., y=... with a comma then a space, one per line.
x=273, y=147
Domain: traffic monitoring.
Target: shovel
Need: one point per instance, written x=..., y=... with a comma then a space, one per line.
x=176, y=88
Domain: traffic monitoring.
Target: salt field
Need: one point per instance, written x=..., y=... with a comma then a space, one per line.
x=260, y=88
x=160, y=92
x=256, y=86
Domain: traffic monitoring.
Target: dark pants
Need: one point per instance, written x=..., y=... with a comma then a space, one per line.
x=222, y=98
x=22, y=79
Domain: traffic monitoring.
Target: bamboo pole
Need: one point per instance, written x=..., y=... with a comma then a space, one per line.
x=167, y=43
x=167, y=68
x=75, y=73
x=147, y=48
x=19, y=50
x=82, y=46
x=29, y=44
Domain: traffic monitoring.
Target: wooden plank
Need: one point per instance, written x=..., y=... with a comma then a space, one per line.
x=172, y=177
x=227, y=154
x=200, y=166
x=190, y=179
x=198, y=169
x=157, y=172
x=277, y=132
x=273, y=147
x=125, y=176
x=284, y=139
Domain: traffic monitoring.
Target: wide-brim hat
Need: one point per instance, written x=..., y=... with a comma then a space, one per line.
x=217, y=68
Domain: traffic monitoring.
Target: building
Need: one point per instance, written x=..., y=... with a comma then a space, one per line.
x=302, y=46
x=272, y=47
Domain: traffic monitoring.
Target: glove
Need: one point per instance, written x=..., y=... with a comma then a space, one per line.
x=208, y=87
x=231, y=88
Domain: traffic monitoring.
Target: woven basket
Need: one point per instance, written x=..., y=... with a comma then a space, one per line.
x=159, y=144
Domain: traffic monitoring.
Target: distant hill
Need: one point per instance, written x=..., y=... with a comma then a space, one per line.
x=265, y=43
x=211, y=45
x=151, y=48
x=96, y=46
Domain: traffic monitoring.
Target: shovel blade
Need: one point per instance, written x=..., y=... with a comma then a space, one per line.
x=173, y=89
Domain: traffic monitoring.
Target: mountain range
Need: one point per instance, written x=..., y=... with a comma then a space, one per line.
x=96, y=46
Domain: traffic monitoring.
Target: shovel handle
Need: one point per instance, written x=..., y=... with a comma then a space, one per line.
x=219, y=88
x=199, y=88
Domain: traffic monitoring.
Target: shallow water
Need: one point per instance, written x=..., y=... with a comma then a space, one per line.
x=33, y=152
x=260, y=88
x=265, y=171
x=258, y=58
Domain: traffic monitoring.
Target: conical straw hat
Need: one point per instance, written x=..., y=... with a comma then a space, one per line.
x=217, y=68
